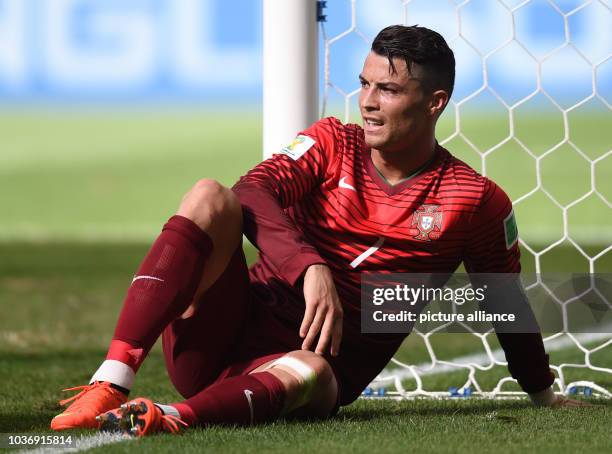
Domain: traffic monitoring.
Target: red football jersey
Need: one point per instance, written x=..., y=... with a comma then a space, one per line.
x=321, y=200
x=338, y=204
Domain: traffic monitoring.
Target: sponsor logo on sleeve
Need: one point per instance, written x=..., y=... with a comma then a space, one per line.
x=300, y=145
x=510, y=230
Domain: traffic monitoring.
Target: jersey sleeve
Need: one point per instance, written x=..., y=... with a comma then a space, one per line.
x=494, y=249
x=279, y=183
x=493, y=245
x=293, y=172
x=527, y=360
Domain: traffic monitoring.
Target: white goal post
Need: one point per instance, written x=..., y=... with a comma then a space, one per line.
x=290, y=70
x=291, y=103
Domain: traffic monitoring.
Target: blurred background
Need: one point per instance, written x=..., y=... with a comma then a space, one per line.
x=111, y=109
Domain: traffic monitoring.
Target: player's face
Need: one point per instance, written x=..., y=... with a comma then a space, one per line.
x=395, y=109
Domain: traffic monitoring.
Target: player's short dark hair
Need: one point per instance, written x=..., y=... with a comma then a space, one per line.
x=422, y=49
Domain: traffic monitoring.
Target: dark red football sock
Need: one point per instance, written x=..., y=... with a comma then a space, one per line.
x=241, y=400
x=162, y=289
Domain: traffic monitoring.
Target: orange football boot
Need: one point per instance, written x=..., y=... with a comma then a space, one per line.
x=99, y=397
x=109, y=421
x=139, y=417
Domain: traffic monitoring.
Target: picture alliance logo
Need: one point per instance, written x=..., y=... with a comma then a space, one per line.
x=404, y=293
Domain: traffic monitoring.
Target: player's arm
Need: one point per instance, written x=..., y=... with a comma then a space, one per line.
x=273, y=186
x=494, y=249
x=265, y=193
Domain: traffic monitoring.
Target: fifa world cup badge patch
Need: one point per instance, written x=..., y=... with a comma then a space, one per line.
x=427, y=223
x=510, y=230
x=300, y=145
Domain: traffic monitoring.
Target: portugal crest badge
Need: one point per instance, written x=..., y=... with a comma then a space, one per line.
x=428, y=222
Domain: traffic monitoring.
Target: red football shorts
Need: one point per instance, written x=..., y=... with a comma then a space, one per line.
x=234, y=331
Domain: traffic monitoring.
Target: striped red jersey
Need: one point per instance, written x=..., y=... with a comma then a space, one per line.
x=337, y=209
x=322, y=201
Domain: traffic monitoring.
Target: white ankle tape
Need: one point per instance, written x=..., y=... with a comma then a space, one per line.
x=116, y=372
x=307, y=374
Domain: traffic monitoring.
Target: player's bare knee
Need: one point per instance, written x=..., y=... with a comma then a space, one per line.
x=317, y=389
x=325, y=394
x=318, y=363
x=205, y=198
x=215, y=209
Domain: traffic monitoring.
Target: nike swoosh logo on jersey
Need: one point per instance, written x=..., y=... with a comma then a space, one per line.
x=345, y=185
x=248, y=393
x=146, y=277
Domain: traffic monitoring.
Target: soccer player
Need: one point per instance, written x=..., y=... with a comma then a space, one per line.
x=246, y=346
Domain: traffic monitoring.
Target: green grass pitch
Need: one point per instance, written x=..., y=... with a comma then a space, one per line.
x=83, y=194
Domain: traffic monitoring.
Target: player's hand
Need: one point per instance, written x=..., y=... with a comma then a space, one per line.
x=563, y=401
x=547, y=398
x=323, y=312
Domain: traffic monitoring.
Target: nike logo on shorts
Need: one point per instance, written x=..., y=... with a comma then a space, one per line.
x=146, y=277
x=343, y=184
x=248, y=393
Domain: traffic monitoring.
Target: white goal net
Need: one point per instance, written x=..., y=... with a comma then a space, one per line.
x=531, y=109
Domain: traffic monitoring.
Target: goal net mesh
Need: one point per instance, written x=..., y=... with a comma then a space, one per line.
x=531, y=110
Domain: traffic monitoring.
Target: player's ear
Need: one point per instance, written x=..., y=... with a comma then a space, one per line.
x=437, y=102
